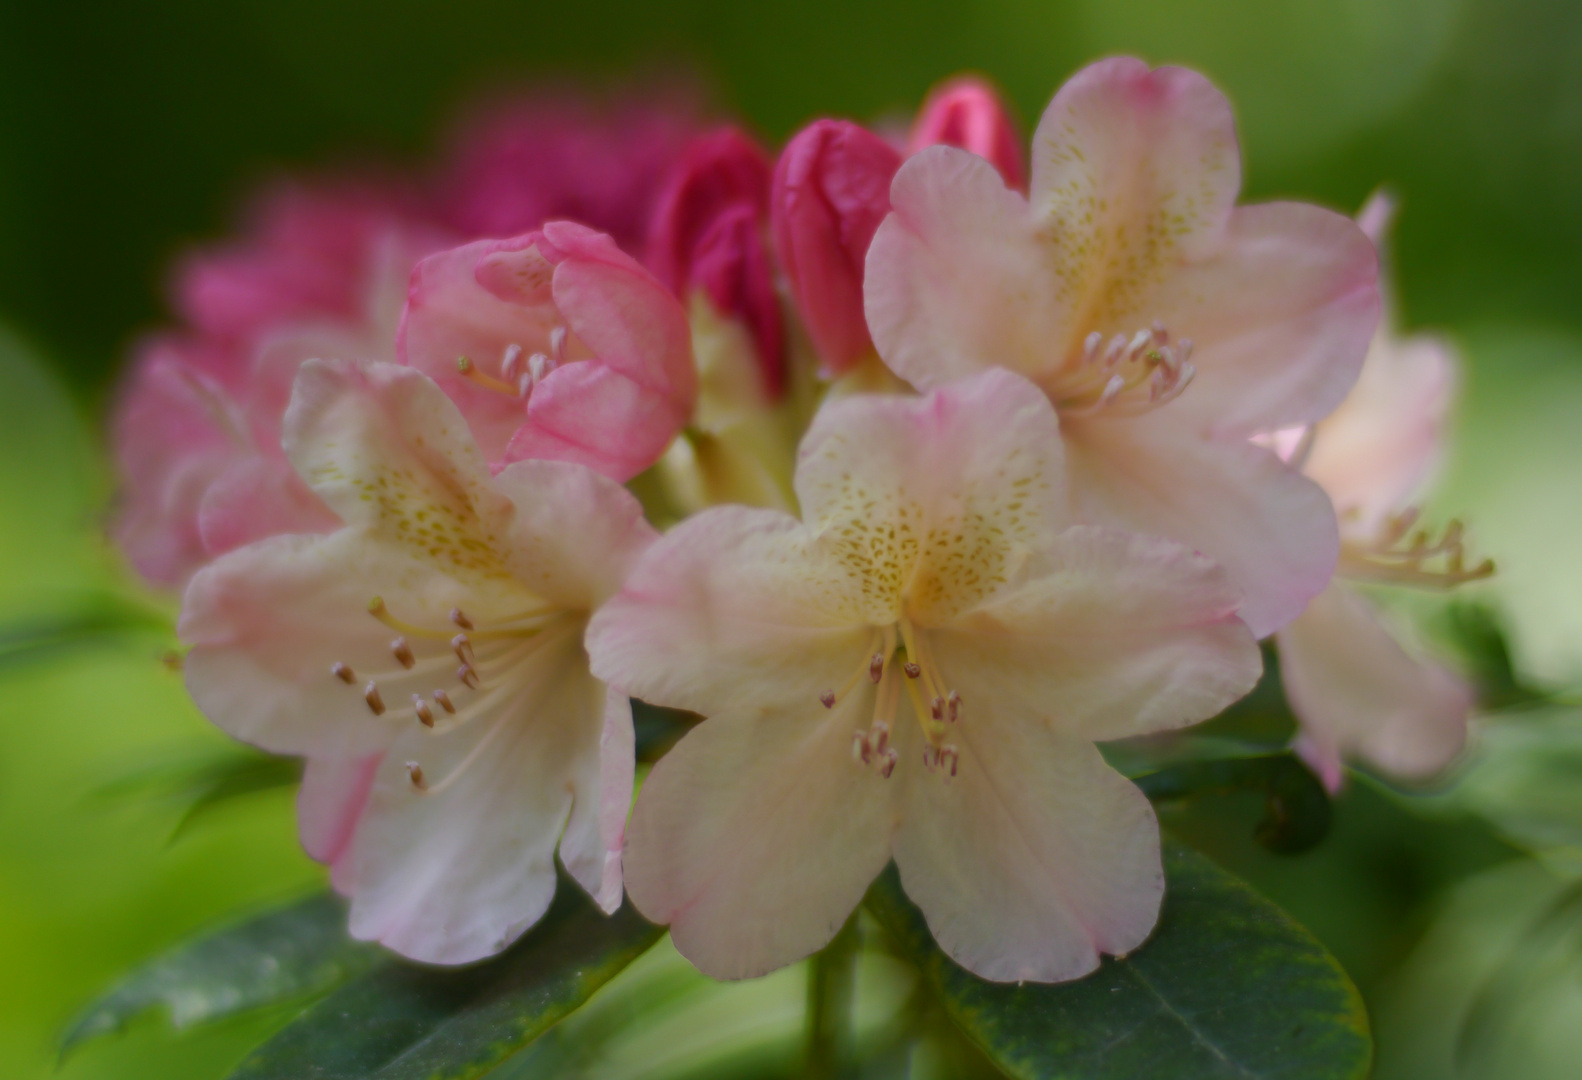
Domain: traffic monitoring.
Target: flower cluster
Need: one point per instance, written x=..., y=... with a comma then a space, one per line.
x=970, y=460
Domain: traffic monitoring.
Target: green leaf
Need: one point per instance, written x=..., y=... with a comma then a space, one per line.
x=288, y=952
x=1296, y=806
x=203, y=782
x=1227, y=986
x=402, y=1021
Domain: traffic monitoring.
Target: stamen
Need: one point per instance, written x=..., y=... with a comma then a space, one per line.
x=377, y=608
x=879, y=735
x=466, y=763
x=954, y=711
x=539, y=367
x=414, y=772
x=343, y=672
x=1132, y=374
x=1386, y=561
x=425, y=714
x=458, y=617
x=948, y=758
x=827, y=699
x=463, y=648
x=557, y=344
x=403, y=653
x=861, y=751
x=912, y=669
x=442, y=699
x=875, y=668
x=509, y=362
x=468, y=676
x=376, y=704
x=469, y=371
x=887, y=763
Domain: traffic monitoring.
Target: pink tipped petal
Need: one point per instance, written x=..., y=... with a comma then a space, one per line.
x=623, y=314
x=1131, y=163
x=731, y=608
x=1270, y=528
x=756, y=837
x=595, y=416
x=1358, y=693
x=256, y=498
x=1035, y=858
x=720, y=171
x=733, y=268
x=330, y=801
x=1280, y=317
x=968, y=113
x=1124, y=635
x=1381, y=446
x=575, y=534
x=957, y=280
x=974, y=468
x=457, y=872
x=596, y=831
x=831, y=191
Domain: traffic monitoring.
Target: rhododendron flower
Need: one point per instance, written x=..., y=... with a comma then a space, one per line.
x=556, y=345
x=1357, y=691
x=197, y=426
x=832, y=189
x=427, y=657
x=918, y=669
x=1166, y=324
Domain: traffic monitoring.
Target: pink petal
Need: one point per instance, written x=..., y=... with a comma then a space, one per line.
x=256, y=498
x=1124, y=635
x=757, y=836
x=1359, y=694
x=1280, y=317
x=330, y=801
x=967, y=112
x=831, y=191
x=1271, y=529
x=457, y=873
x=721, y=170
x=596, y=831
x=592, y=415
x=958, y=278
x=1136, y=162
x=1035, y=858
x=732, y=609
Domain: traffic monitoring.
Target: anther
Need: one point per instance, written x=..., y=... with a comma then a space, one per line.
x=538, y=367
x=912, y=669
x=876, y=668
x=425, y=714
x=414, y=773
x=948, y=757
x=1090, y=347
x=557, y=344
x=463, y=647
x=458, y=617
x=403, y=653
x=887, y=764
x=508, y=364
x=468, y=676
x=860, y=750
x=442, y=699
x=376, y=704
x=827, y=699
x=954, y=706
x=880, y=737
x=936, y=709
x=342, y=672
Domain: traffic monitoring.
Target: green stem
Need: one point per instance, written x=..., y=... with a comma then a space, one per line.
x=830, y=985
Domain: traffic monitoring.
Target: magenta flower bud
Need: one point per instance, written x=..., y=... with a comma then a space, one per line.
x=708, y=233
x=831, y=191
x=966, y=112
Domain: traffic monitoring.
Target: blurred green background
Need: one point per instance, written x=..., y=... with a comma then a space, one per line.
x=128, y=132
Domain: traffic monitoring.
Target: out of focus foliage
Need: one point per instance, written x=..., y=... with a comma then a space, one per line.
x=132, y=131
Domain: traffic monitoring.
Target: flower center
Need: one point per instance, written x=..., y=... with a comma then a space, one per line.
x=899, y=657
x=453, y=673
x=1398, y=555
x=1126, y=377
x=518, y=376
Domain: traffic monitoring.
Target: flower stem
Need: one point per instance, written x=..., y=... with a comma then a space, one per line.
x=830, y=985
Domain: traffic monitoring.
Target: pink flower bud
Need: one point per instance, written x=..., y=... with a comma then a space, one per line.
x=831, y=191
x=708, y=233
x=966, y=112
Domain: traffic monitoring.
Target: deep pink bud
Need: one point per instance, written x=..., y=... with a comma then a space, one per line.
x=831, y=191
x=708, y=233
x=966, y=112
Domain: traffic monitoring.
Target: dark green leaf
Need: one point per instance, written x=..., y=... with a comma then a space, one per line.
x=658, y=729
x=294, y=950
x=1296, y=806
x=406, y=1022
x=1227, y=986
x=100, y=621
x=203, y=781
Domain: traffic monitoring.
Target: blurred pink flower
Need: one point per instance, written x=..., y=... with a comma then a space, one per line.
x=439, y=793
x=557, y=345
x=832, y=189
x=1128, y=271
x=917, y=669
x=1358, y=692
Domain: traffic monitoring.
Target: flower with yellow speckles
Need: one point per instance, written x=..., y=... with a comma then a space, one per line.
x=427, y=659
x=918, y=669
x=1164, y=322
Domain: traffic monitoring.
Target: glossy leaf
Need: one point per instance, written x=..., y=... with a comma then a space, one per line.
x=403, y=1021
x=1296, y=807
x=1227, y=987
x=286, y=953
x=203, y=782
